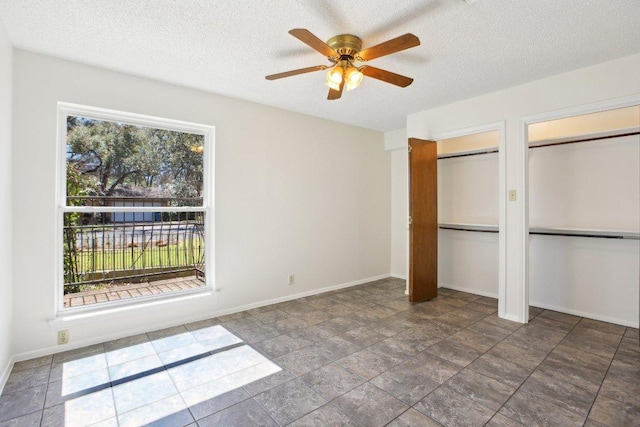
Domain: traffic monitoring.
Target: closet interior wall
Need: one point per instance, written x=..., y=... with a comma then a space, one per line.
x=468, y=197
x=592, y=187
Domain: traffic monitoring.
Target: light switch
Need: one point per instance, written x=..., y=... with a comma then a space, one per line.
x=512, y=195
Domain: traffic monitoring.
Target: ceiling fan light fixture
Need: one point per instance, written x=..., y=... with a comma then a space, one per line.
x=353, y=77
x=334, y=77
x=333, y=85
x=345, y=49
x=351, y=86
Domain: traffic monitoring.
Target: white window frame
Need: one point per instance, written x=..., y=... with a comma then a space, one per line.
x=67, y=109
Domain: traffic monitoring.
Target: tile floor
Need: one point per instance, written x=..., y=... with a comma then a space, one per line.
x=361, y=356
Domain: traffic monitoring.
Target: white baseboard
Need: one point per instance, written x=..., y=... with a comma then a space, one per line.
x=607, y=319
x=593, y=316
x=482, y=293
x=401, y=277
x=511, y=317
x=176, y=322
x=468, y=290
x=4, y=376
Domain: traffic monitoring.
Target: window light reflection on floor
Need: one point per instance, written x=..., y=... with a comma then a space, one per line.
x=148, y=381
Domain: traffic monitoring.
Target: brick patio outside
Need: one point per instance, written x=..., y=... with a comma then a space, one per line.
x=132, y=291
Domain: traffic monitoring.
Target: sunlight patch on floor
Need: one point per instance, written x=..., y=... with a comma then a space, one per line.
x=155, y=380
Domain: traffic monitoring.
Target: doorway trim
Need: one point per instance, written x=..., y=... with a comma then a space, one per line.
x=499, y=126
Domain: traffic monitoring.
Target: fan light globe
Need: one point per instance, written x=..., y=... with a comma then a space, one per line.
x=353, y=78
x=332, y=85
x=351, y=86
x=334, y=78
x=335, y=75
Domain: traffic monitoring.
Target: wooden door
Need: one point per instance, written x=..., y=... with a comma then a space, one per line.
x=423, y=220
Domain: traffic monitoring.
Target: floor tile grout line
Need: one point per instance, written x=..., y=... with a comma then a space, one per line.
x=118, y=414
x=115, y=408
x=554, y=348
x=46, y=392
x=265, y=409
x=407, y=410
x=40, y=411
x=538, y=365
x=440, y=339
x=463, y=367
x=373, y=385
x=478, y=321
x=480, y=373
x=165, y=367
x=487, y=351
x=605, y=377
x=333, y=361
x=41, y=417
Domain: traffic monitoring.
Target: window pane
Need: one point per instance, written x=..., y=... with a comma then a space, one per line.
x=120, y=255
x=119, y=164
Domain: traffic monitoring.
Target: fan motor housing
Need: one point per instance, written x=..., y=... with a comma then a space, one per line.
x=345, y=44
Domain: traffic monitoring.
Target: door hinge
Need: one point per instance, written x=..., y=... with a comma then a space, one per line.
x=410, y=220
x=410, y=148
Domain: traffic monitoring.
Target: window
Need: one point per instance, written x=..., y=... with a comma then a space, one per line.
x=134, y=207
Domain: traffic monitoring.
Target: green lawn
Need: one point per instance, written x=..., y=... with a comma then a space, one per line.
x=137, y=258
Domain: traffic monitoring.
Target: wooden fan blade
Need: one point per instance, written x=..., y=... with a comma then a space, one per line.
x=305, y=36
x=387, y=76
x=295, y=72
x=390, y=46
x=335, y=94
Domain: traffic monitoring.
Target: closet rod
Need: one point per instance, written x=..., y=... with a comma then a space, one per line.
x=576, y=139
x=476, y=228
x=586, y=233
x=468, y=153
x=597, y=234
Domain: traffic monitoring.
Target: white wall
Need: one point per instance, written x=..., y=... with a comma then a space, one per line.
x=468, y=262
x=585, y=124
x=596, y=278
x=468, y=189
x=6, y=278
x=605, y=81
x=294, y=194
x=476, y=141
x=592, y=185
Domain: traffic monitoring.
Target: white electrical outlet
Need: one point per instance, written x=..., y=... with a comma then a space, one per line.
x=291, y=279
x=63, y=336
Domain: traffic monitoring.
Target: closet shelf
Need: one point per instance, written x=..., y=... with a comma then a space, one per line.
x=584, y=138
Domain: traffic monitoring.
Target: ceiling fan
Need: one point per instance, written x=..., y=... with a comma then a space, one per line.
x=343, y=51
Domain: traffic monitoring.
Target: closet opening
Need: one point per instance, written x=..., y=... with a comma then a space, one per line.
x=468, y=213
x=584, y=215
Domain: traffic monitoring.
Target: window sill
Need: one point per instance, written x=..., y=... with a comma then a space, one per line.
x=72, y=317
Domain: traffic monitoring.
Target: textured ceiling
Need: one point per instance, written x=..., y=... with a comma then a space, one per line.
x=228, y=46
